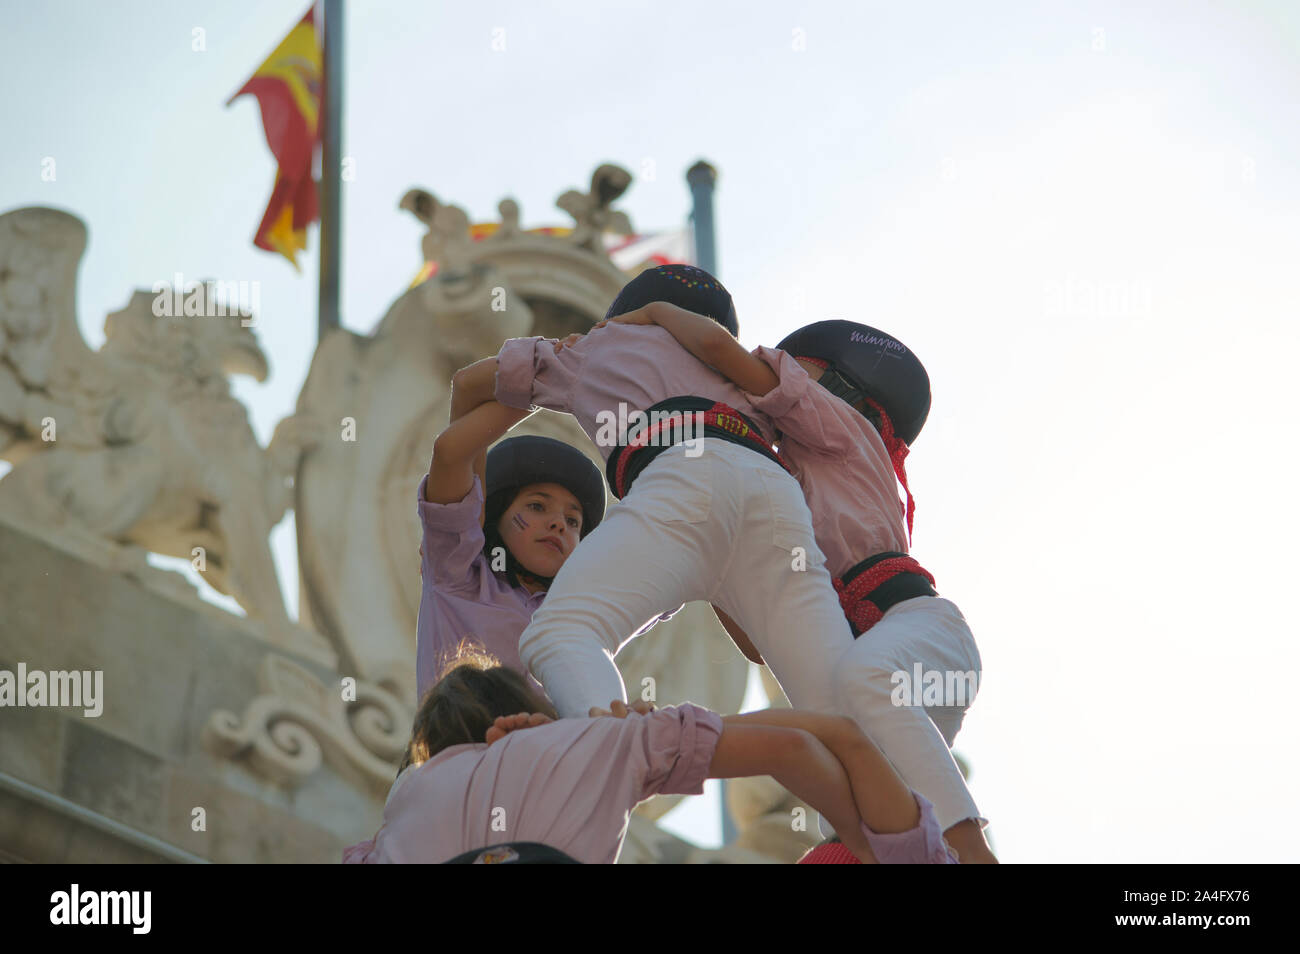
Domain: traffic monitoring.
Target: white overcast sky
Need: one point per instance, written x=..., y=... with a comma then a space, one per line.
x=1082, y=216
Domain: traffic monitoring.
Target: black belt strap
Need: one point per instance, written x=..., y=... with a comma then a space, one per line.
x=675, y=432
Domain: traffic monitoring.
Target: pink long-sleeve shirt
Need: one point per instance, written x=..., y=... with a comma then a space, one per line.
x=569, y=784
x=461, y=598
x=840, y=462
x=634, y=365
x=922, y=845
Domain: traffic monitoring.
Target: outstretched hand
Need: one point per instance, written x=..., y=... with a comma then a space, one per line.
x=619, y=709
x=504, y=725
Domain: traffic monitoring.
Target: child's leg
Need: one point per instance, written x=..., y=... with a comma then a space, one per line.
x=655, y=550
x=777, y=588
x=931, y=632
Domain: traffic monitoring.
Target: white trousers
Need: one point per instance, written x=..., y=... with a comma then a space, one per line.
x=728, y=526
x=930, y=633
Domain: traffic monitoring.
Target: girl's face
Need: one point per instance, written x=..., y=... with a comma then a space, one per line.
x=541, y=527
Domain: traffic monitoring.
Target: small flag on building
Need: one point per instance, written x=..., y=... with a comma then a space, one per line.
x=288, y=89
x=632, y=253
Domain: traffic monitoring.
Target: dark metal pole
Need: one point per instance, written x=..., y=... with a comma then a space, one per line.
x=702, y=177
x=331, y=114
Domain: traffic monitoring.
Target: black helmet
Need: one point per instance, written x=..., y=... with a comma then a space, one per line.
x=682, y=285
x=529, y=459
x=871, y=362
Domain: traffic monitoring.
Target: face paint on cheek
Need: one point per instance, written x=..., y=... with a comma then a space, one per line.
x=519, y=521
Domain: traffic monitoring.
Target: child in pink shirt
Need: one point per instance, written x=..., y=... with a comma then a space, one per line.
x=714, y=516
x=497, y=526
x=489, y=766
x=846, y=463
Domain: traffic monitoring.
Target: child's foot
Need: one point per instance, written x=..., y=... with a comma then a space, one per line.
x=504, y=725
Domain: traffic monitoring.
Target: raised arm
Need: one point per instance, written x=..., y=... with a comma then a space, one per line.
x=477, y=420
x=471, y=387
x=709, y=342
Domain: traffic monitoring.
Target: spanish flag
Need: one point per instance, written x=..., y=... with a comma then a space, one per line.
x=288, y=88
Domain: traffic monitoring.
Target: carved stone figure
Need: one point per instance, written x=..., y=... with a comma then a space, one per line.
x=140, y=446
x=591, y=211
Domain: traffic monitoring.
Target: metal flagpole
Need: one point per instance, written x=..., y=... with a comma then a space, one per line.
x=331, y=115
x=702, y=177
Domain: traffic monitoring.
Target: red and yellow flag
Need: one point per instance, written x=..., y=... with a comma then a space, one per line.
x=288, y=89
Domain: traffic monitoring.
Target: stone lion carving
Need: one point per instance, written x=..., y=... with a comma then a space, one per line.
x=139, y=446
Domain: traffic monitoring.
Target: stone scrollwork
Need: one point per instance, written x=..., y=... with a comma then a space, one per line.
x=380, y=721
x=297, y=723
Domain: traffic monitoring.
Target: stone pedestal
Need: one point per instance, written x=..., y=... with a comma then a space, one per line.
x=124, y=786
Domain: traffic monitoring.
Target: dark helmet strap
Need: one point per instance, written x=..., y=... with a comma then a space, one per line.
x=841, y=387
x=525, y=577
x=834, y=381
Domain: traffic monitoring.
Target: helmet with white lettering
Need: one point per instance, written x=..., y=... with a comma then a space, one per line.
x=862, y=361
x=868, y=367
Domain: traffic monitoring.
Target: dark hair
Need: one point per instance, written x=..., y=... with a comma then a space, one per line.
x=472, y=692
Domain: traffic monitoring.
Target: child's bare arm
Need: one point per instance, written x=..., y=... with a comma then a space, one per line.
x=797, y=760
x=709, y=342
x=883, y=799
x=473, y=385
x=460, y=451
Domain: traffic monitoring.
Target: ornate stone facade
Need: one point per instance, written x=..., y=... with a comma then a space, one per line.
x=285, y=735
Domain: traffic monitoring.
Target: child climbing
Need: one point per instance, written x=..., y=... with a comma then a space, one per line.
x=497, y=526
x=714, y=517
x=848, y=401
